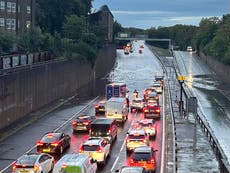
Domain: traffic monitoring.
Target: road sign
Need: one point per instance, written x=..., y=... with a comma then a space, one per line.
x=181, y=78
x=191, y=105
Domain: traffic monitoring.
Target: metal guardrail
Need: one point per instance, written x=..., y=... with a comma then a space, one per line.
x=220, y=155
x=175, y=165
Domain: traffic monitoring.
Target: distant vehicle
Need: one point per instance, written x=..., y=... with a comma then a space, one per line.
x=126, y=50
x=53, y=142
x=115, y=90
x=137, y=104
x=82, y=123
x=131, y=169
x=117, y=108
x=150, y=94
x=100, y=108
x=159, y=76
x=189, y=48
x=159, y=79
x=144, y=156
x=158, y=87
x=105, y=128
x=136, y=138
x=152, y=111
x=34, y=163
x=97, y=148
x=75, y=163
x=148, y=125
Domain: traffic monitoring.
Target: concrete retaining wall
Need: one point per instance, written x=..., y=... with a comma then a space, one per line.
x=219, y=68
x=28, y=90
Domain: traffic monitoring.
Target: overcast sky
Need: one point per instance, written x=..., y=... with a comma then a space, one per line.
x=154, y=13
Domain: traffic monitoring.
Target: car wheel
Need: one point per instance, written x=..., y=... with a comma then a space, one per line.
x=127, y=152
x=68, y=145
x=104, y=162
x=109, y=153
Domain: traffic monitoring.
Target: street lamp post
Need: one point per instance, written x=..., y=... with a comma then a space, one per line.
x=181, y=80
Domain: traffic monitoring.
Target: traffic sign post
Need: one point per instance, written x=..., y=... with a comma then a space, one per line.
x=191, y=105
x=181, y=80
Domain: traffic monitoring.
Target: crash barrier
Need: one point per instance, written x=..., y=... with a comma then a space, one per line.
x=174, y=140
x=19, y=60
x=220, y=155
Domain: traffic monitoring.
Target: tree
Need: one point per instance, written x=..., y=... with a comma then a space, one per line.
x=74, y=27
x=6, y=43
x=51, y=14
x=206, y=32
x=116, y=28
x=30, y=41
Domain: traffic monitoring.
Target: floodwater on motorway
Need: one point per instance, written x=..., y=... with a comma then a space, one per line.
x=136, y=70
x=205, y=86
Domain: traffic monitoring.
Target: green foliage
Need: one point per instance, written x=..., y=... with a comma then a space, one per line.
x=181, y=35
x=51, y=14
x=205, y=33
x=87, y=51
x=213, y=38
x=100, y=32
x=90, y=39
x=116, y=28
x=30, y=41
x=6, y=43
x=74, y=27
x=64, y=29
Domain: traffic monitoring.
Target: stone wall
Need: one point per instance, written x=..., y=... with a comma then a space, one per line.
x=25, y=91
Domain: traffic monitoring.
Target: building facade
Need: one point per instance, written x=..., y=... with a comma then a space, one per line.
x=104, y=17
x=16, y=15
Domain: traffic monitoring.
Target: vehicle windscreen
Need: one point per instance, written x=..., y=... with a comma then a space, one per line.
x=131, y=170
x=136, y=137
x=157, y=85
x=141, y=156
x=99, y=129
x=90, y=147
x=82, y=119
x=49, y=139
x=144, y=124
x=27, y=160
x=136, y=101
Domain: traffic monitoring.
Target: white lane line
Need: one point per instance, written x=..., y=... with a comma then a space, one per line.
x=163, y=138
x=114, y=164
x=3, y=170
x=122, y=147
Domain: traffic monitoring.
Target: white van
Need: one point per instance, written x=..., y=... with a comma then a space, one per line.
x=117, y=108
x=77, y=163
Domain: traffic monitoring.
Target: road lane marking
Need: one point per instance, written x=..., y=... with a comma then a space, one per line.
x=163, y=137
x=122, y=147
x=114, y=164
x=62, y=125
